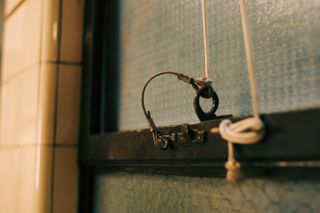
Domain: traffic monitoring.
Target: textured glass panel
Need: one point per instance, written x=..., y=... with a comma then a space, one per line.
x=120, y=192
x=161, y=35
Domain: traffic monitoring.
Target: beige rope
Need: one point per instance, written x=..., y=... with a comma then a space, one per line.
x=205, y=41
x=246, y=131
x=233, y=167
x=249, y=57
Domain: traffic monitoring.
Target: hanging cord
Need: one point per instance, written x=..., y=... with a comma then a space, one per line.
x=205, y=42
x=246, y=131
x=201, y=85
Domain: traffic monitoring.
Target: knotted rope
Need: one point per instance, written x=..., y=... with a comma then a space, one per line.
x=249, y=130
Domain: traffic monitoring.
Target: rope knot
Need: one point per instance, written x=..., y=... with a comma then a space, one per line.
x=204, y=79
x=246, y=131
x=234, y=173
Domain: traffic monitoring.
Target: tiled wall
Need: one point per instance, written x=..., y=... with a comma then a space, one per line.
x=39, y=109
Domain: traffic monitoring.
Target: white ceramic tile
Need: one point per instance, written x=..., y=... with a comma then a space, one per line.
x=32, y=32
x=13, y=43
x=35, y=175
x=43, y=179
x=68, y=104
x=72, y=30
x=50, y=30
x=65, y=180
x=26, y=176
x=21, y=39
x=19, y=100
x=47, y=99
x=9, y=178
x=25, y=179
x=33, y=180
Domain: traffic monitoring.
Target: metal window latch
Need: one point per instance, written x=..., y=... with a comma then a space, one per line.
x=185, y=135
x=188, y=136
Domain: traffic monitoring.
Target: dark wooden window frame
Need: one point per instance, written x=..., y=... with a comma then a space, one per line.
x=292, y=143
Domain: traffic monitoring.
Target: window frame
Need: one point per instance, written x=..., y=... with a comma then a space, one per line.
x=284, y=149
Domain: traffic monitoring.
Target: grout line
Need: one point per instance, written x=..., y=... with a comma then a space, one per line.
x=1, y=73
x=38, y=160
x=1, y=61
x=27, y=68
x=56, y=104
x=18, y=73
x=58, y=62
x=71, y=63
x=21, y=146
x=65, y=145
x=14, y=9
x=20, y=174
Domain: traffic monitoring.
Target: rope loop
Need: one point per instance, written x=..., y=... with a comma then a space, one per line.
x=247, y=131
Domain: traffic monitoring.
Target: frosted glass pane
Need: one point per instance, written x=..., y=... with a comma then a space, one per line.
x=122, y=192
x=161, y=35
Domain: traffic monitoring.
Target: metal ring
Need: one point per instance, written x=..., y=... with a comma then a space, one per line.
x=206, y=91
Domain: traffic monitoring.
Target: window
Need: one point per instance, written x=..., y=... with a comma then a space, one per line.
x=126, y=42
